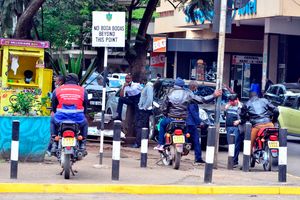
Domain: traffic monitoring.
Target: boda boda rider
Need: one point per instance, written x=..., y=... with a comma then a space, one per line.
x=69, y=103
x=175, y=106
x=259, y=112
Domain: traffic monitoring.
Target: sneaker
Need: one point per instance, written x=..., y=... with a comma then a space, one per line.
x=135, y=146
x=159, y=147
x=235, y=165
x=199, y=162
x=48, y=153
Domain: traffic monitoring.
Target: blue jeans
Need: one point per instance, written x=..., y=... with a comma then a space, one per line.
x=235, y=130
x=162, y=130
x=192, y=129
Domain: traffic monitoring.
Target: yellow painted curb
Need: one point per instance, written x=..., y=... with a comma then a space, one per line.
x=144, y=189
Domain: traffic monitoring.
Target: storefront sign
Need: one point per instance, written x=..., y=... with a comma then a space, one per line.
x=157, y=59
x=24, y=43
x=108, y=29
x=159, y=44
x=249, y=9
x=237, y=60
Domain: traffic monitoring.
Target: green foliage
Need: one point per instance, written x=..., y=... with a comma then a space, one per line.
x=62, y=66
x=23, y=103
x=90, y=70
x=64, y=20
x=138, y=14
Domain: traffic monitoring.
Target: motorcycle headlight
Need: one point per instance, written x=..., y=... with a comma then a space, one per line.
x=202, y=114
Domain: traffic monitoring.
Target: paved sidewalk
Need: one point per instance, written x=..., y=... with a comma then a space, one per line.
x=155, y=179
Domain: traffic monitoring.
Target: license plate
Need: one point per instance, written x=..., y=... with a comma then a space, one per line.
x=222, y=130
x=178, y=139
x=273, y=144
x=97, y=103
x=68, y=142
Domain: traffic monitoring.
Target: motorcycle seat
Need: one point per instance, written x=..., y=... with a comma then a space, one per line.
x=263, y=131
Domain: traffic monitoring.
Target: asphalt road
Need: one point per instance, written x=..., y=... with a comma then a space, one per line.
x=293, y=155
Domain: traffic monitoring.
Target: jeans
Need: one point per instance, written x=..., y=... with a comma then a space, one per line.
x=82, y=126
x=192, y=129
x=142, y=121
x=235, y=130
x=162, y=130
x=128, y=100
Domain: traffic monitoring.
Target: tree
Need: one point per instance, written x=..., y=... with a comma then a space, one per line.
x=17, y=17
x=137, y=55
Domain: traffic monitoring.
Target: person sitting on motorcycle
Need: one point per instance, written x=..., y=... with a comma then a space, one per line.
x=175, y=106
x=69, y=103
x=260, y=112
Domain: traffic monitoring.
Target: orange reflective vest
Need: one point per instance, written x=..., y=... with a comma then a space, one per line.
x=70, y=98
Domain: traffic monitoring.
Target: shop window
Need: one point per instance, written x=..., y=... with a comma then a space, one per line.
x=22, y=67
x=201, y=71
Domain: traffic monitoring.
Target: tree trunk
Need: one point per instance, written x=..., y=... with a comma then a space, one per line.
x=137, y=55
x=24, y=24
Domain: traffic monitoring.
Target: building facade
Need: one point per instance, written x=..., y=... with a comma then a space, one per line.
x=263, y=44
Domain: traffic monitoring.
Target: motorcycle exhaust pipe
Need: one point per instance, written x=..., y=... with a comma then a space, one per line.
x=79, y=155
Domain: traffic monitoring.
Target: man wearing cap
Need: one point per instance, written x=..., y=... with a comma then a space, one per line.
x=69, y=102
x=175, y=106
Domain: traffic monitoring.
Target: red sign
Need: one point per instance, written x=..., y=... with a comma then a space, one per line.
x=157, y=59
x=24, y=43
x=159, y=44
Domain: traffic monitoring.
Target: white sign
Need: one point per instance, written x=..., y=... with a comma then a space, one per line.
x=238, y=59
x=108, y=29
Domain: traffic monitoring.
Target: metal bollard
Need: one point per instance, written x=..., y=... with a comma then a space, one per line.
x=210, y=151
x=231, y=148
x=144, y=147
x=116, y=151
x=14, y=153
x=247, y=148
x=282, y=158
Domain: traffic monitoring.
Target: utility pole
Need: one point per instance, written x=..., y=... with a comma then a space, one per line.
x=220, y=67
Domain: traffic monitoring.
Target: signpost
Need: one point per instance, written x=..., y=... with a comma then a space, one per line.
x=108, y=30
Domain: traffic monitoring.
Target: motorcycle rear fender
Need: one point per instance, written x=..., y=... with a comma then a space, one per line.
x=68, y=151
x=274, y=153
x=179, y=147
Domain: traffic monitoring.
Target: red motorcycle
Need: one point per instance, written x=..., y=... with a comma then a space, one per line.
x=266, y=149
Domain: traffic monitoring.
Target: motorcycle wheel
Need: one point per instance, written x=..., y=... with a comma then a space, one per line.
x=67, y=165
x=151, y=127
x=177, y=158
x=271, y=162
x=166, y=157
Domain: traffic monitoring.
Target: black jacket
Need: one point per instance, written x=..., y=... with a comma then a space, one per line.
x=176, y=102
x=259, y=111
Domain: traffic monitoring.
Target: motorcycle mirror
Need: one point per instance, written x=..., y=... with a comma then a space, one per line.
x=90, y=96
x=155, y=104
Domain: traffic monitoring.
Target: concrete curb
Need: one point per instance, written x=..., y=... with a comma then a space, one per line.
x=144, y=189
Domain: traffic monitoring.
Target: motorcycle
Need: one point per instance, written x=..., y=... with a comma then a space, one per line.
x=176, y=144
x=266, y=149
x=68, y=147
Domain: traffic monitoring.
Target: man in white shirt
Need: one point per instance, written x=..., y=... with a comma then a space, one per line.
x=130, y=94
x=144, y=111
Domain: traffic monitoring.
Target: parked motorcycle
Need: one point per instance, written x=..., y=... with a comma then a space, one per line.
x=68, y=142
x=176, y=144
x=266, y=149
